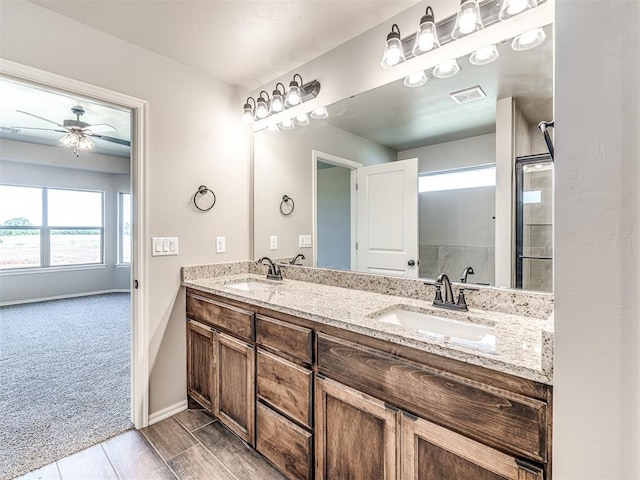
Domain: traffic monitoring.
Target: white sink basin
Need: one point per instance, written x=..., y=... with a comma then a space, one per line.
x=250, y=285
x=431, y=324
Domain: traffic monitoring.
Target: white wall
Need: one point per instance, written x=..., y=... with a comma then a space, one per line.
x=283, y=165
x=195, y=136
x=597, y=241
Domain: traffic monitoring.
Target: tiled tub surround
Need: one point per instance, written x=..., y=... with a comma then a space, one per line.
x=523, y=344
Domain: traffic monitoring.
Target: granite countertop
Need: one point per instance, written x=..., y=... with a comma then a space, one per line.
x=513, y=344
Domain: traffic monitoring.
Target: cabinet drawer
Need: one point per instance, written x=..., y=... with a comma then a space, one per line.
x=284, y=443
x=284, y=338
x=488, y=414
x=285, y=386
x=226, y=317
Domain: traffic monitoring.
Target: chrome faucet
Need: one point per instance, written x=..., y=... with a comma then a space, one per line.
x=274, y=272
x=295, y=259
x=443, y=282
x=467, y=271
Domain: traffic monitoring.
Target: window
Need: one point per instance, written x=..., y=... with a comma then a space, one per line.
x=124, y=228
x=480, y=176
x=44, y=227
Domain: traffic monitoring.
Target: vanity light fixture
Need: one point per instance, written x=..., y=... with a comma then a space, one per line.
x=301, y=119
x=277, y=100
x=416, y=79
x=468, y=19
x=529, y=39
x=320, y=113
x=287, y=124
x=446, y=69
x=248, y=114
x=427, y=34
x=511, y=8
x=393, y=53
x=484, y=55
x=262, y=106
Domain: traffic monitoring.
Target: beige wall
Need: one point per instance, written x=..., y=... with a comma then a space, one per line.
x=195, y=137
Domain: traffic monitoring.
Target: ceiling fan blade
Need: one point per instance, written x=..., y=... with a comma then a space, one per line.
x=112, y=139
x=99, y=128
x=41, y=118
x=47, y=129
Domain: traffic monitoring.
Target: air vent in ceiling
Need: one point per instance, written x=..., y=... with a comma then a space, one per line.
x=468, y=95
x=10, y=130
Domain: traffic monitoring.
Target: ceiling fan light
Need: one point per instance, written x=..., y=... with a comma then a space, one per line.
x=85, y=143
x=427, y=35
x=529, y=39
x=416, y=79
x=320, y=113
x=511, y=8
x=468, y=19
x=446, y=69
x=484, y=55
x=393, y=53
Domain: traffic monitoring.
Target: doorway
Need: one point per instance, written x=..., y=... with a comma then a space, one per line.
x=126, y=235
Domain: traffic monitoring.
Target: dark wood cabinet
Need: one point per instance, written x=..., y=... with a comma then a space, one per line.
x=200, y=363
x=234, y=400
x=431, y=452
x=356, y=435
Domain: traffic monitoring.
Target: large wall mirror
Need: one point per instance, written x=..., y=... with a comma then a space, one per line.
x=409, y=180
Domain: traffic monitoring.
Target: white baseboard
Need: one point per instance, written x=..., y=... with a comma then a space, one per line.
x=167, y=412
x=60, y=297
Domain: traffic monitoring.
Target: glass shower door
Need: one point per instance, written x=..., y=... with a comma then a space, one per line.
x=534, y=223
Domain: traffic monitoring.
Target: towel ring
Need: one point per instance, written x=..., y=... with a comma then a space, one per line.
x=203, y=191
x=287, y=205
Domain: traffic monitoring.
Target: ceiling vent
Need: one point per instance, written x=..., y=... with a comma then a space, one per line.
x=468, y=95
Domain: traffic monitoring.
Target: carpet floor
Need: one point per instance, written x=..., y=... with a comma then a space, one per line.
x=64, y=378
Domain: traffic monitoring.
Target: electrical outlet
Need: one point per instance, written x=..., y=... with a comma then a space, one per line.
x=274, y=242
x=221, y=245
x=162, y=246
x=304, y=241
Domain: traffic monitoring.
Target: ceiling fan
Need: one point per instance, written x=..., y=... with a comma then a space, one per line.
x=76, y=132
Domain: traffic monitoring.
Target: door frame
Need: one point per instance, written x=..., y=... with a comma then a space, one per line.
x=318, y=156
x=139, y=254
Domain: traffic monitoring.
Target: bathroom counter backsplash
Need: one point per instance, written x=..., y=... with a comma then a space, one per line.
x=521, y=335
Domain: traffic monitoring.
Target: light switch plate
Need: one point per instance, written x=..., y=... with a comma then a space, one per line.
x=163, y=246
x=304, y=241
x=274, y=242
x=221, y=245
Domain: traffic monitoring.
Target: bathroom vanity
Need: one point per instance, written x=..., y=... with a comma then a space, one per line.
x=331, y=382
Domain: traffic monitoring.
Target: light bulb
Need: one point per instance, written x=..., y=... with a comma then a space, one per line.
x=301, y=119
x=73, y=139
x=416, y=79
x=273, y=127
x=85, y=143
x=320, y=113
x=529, y=39
x=261, y=109
x=446, y=69
x=277, y=103
x=516, y=6
x=484, y=55
x=287, y=124
x=393, y=53
x=426, y=41
x=511, y=8
x=66, y=140
x=293, y=97
x=468, y=20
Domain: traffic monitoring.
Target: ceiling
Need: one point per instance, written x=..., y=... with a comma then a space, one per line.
x=245, y=43
x=56, y=106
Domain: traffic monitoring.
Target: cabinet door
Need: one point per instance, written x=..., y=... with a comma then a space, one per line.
x=200, y=364
x=355, y=435
x=234, y=403
x=431, y=452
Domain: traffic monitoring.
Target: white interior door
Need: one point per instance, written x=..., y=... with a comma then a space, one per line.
x=388, y=218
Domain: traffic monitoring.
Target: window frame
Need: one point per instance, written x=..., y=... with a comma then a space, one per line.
x=45, y=232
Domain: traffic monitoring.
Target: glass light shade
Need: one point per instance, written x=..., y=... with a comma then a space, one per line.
x=528, y=40
x=484, y=55
x=393, y=53
x=301, y=119
x=277, y=102
x=294, y=96
x=247, y=115
x=511, y=8
x=468, y=20
x=320, y=113
x=262, y=110
x=66, y=140
x=427, y=35
x=416, y=79
x=287, y=124
x=446, y=69
x=85, y=143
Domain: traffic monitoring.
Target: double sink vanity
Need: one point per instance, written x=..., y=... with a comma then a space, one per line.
x=334, y=374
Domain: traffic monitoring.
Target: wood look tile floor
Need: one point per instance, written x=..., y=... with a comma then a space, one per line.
x=189, y=445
